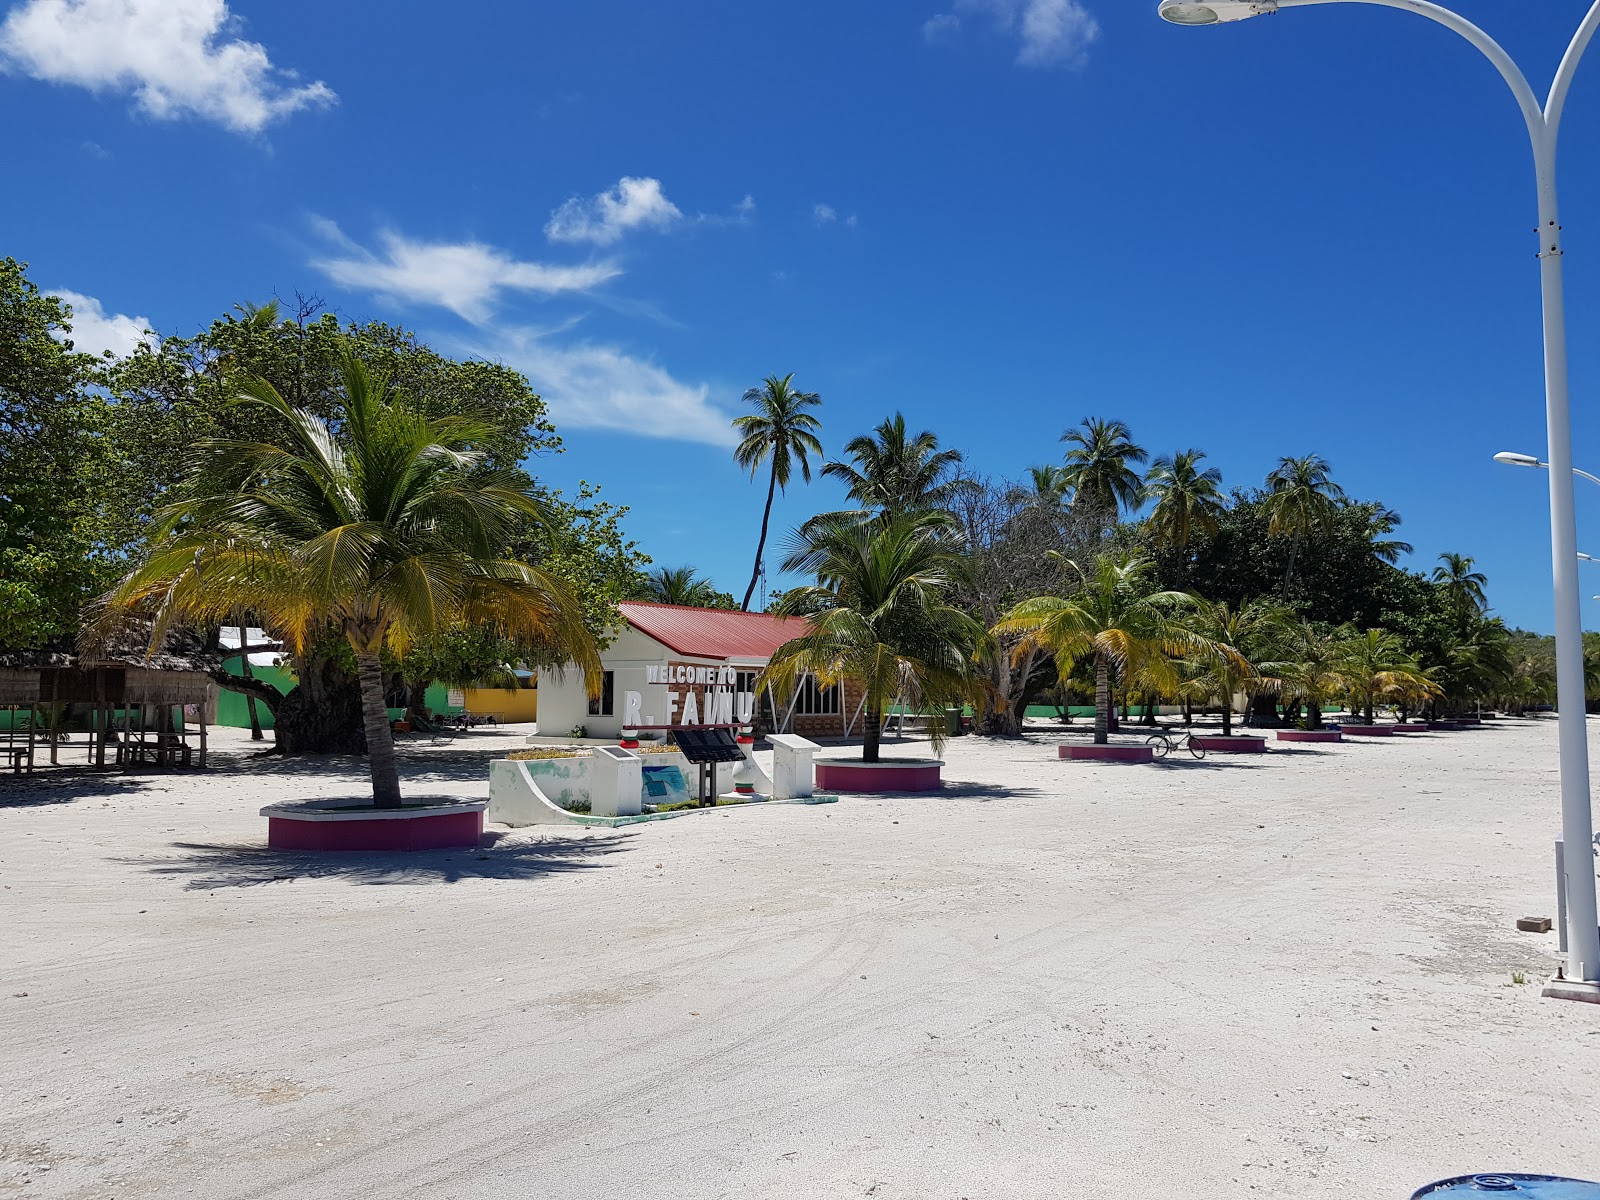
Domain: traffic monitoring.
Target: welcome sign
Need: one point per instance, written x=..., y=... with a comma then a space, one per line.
x=696, y=695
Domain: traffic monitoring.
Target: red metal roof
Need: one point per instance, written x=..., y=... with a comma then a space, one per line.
x=711, y=632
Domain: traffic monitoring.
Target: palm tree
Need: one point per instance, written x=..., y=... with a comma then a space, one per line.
x=782, y=430
x=1116, y=619
x=1249, y=638
x=896, y=473
x=1374, y=665
x=1380, y=522
x=681, y=585
x=1462, y=585
x=1303, y=502
x=879, y=617
x=382, y=526
x=1098, y=469
x=1188, y=500
x=1312, y=672
x=1046, y=488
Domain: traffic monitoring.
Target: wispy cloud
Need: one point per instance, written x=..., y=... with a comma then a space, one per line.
x=467, y=278
x=94, y=330
x=178, y=58
x=827, y=214
x=601, y=220
x=1050, y=33
x=594, y=385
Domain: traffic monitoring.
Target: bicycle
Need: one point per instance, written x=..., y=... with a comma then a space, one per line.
x=1164, y=744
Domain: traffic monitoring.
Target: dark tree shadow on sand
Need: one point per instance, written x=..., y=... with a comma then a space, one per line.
x=208, y=866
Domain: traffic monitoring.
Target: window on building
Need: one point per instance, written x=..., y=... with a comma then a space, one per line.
x=606, y=705
x=817, y=701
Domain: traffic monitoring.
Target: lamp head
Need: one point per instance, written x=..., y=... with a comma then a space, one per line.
x=1587, y=557
x=1216, y=12
x=1512, y=459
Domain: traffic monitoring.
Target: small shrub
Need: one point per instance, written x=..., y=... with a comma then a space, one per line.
x=548, y=752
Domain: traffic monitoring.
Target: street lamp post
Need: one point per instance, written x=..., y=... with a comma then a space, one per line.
x=1582, y=974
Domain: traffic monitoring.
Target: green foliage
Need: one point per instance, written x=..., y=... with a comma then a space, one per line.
x=781, y=431
x=683, y=585
x=894, y=472
x=67, y=515
x=1099, y=468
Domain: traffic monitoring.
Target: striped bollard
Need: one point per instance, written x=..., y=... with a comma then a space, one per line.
x=629, y=739
x=744, y=782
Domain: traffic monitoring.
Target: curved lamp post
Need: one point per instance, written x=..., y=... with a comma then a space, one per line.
x=1582, y=975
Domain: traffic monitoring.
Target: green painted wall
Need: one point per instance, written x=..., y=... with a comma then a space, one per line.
x=233, y=711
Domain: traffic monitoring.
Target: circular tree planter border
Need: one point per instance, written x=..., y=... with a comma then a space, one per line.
x=1115, y=754
x=1367, y=730
x=1236, y=743
x=889, y=775
x=337, y=825
x=1310, y=735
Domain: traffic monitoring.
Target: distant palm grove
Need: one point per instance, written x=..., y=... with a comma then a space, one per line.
x=144, y=490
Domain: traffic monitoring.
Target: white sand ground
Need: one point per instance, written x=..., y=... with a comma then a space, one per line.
x=1287, y=976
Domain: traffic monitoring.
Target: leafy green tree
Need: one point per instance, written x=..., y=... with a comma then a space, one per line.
x=1311, y=669
x=1116, y=619
x=1464, y=586
x=1303, y=501
x=783, y=432
x=386, y=524
x=895, y=473
x=1099, y=468
x=1188, y=500
x=880, y=617
x=64, y=524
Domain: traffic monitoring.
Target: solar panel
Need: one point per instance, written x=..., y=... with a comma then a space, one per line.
x=701, y=746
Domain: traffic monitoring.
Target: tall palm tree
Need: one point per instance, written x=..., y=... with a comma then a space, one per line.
x=895, y=472
x=781, y=431
x=1374, y=665
x=1303, y=501
x=1099, y=469
x=681, y=585
x=1047, y=487
x=1188, y=500
x=1249, y=638
x=383, y=526
x=879, y=617
x=1116, y=619
x=1462, y=585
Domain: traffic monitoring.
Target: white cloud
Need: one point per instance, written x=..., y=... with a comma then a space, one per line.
x=824, y=214
x=1052, y=33
x=94, y=330
x=465, y=277
x=592, y=385
x=603, y=219
x=177, y=57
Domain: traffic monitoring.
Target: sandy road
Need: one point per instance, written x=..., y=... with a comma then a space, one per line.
x=1288, y=976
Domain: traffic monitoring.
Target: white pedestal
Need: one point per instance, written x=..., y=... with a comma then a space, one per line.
x=616, y=785
x=791, y=766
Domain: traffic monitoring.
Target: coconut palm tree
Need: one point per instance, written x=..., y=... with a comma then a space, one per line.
x=1188, y=500
x=879, y=617
x=1382, y=521
x=1374, y=665
x=1116, y=619
x=783, y=432
x=1303, y=501
x=1046, y=488
x=683, y=585
x=1311, y=671
x=382, y=526
x=1462, y=585
x=1098, y=467
x=896, y=473
x=1248, y=640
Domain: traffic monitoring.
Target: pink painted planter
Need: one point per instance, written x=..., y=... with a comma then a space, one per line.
x=891, y=775
x=1409, y=728
x=1118, y=754
x=312, y=825
x=1236, y=744
x=1310, y=735
x=1368, y=730
x=1446, y=726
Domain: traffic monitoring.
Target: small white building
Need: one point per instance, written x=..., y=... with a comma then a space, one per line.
x=686, y=666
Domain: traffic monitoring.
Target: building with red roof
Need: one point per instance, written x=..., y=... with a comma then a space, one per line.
x=674, y=665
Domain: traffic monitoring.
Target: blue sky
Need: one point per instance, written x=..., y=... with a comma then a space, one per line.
x=1305, y=233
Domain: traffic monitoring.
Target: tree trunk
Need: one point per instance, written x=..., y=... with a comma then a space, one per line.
x=1102, y=700
x=1366, y=708
x=1227, y=712
x=766, y=515
x=1188, y=712
x=1313, y=715
x=1150, y=710
x=249, y=698
x=874, y=726
x=416, y=701
x=322, y=714
x=380, y=741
